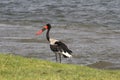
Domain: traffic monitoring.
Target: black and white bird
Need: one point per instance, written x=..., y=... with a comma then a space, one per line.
x=58, y=47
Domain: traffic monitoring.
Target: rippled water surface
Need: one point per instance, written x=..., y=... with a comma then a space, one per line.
x=104, y=12
x=91, y=29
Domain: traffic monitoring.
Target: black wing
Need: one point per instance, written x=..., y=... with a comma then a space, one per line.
x=54, y=48
x=62, y=47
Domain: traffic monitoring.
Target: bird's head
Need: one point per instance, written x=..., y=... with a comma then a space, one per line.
x=46, y=27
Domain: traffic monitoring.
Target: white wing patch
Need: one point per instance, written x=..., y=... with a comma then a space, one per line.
x=66, y=54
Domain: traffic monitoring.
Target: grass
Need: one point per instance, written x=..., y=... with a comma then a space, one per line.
x=19, y=68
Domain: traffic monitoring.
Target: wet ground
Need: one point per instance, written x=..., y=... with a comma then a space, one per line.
x=91, y=44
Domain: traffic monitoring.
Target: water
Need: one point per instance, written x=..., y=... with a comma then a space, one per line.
x=106, y=13
x=89, y=27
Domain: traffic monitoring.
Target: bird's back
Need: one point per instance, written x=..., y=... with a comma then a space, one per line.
x=60, y=47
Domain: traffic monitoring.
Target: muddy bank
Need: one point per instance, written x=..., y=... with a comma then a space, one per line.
x=104, y=65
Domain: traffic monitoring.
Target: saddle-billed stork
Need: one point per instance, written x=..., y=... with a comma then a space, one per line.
x=58, y=47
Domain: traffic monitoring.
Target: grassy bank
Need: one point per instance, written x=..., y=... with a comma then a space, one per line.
x=20, y=68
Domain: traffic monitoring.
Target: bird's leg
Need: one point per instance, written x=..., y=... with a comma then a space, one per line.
x=56, y=57
x=60, y=57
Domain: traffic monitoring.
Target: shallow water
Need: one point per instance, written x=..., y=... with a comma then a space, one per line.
x=89, y=44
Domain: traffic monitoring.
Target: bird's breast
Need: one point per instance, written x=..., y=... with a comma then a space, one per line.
x=52, y=41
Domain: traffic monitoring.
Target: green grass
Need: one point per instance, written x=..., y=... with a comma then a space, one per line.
x=20, y=68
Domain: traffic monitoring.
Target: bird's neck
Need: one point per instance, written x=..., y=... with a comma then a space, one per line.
x=47, y=35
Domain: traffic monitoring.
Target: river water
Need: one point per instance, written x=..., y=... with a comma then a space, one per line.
x=89, y=27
